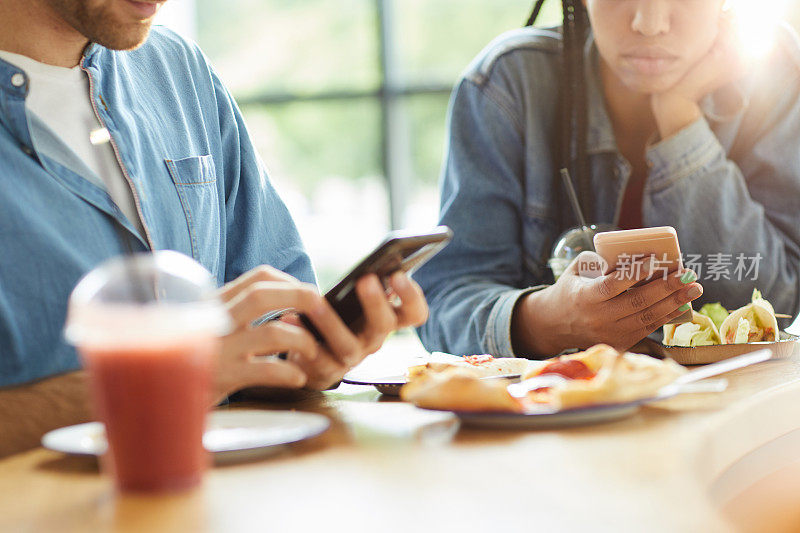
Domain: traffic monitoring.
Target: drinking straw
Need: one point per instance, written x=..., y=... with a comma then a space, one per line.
x=573, y=197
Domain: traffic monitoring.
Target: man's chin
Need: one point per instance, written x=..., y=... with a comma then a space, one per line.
x=105, y=22
x=121, y=38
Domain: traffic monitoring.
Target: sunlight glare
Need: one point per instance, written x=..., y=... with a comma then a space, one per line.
x=756, y=23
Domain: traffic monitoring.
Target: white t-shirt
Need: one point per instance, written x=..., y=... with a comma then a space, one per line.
x=59, y=98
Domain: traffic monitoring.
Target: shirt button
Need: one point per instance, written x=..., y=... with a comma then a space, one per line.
x=17, y=80
x=27, y=150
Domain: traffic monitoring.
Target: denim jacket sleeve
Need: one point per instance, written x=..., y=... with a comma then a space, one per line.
x=260, y=229
x=749, y=207
x=473, y=285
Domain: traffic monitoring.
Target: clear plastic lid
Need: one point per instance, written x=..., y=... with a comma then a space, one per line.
x=144, y=299
x=571, y=243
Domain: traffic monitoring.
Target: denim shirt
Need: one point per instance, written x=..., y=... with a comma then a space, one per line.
x=729, y=183
x=200, y=188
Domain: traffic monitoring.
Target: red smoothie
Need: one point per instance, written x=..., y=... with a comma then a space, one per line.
x=153, y=400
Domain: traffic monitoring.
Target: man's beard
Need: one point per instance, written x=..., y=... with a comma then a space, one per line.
x=96, y=20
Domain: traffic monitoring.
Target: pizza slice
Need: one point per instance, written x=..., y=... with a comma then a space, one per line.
x=602, y=375
x=599, y=375
x=479, y=365
x=459, y=389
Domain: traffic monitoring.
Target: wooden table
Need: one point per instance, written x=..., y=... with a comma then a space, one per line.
x=385, y=465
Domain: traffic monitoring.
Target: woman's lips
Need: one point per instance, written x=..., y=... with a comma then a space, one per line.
x=144, y=10
x=650, y=65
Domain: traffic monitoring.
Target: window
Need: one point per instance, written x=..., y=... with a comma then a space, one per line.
x=346, y=101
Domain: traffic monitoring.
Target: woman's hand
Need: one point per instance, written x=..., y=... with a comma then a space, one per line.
x=309, y=363
x=724, y=63
x=578, y=312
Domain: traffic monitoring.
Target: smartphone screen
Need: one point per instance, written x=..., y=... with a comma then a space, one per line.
x=400, y=251
x=619, y=248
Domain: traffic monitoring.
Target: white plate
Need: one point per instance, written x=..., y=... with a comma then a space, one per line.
x=231, y=434
x=391, y=385
x=363, y=379
x=569, y=417
x=549, y=418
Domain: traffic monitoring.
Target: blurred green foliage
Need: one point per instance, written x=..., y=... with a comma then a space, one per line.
x=305, y=141
x=297, y=46
x=438, y=38
x=313, y=46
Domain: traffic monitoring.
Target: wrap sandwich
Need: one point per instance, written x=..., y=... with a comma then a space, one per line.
x=755, y=322
x=701, y=331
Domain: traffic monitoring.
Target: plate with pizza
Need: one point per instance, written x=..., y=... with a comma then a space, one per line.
x=481, y=366
x=597, y=385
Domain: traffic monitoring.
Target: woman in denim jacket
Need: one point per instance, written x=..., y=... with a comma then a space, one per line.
x=654, y=109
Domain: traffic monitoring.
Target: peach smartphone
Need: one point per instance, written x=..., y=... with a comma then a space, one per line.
x=620, y=247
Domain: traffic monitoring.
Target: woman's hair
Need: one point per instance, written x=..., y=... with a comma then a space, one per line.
x=572, y=106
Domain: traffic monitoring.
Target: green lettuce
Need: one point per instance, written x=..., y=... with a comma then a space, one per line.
x=691, y=334
x=715, y=312
x=742, y=331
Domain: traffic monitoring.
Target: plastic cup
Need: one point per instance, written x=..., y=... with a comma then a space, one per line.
x=570, y=245
x=148, y=329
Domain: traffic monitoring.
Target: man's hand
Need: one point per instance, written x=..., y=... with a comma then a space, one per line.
x=344, y=349
x=578, y=312
x=247, y=298
x=724, y=63
x=309, y=363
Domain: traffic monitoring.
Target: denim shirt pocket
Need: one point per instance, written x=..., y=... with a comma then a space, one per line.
x=196, y=183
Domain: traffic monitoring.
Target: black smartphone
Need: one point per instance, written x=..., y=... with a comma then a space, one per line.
x=400, y=251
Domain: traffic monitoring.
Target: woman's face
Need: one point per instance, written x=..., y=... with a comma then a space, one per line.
x=650, y=45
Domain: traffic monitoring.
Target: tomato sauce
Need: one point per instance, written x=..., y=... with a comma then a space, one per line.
x=570, y=369
x=478, y=359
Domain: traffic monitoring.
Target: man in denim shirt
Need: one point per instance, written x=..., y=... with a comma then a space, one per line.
x=170, y=165
x=718, y=161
